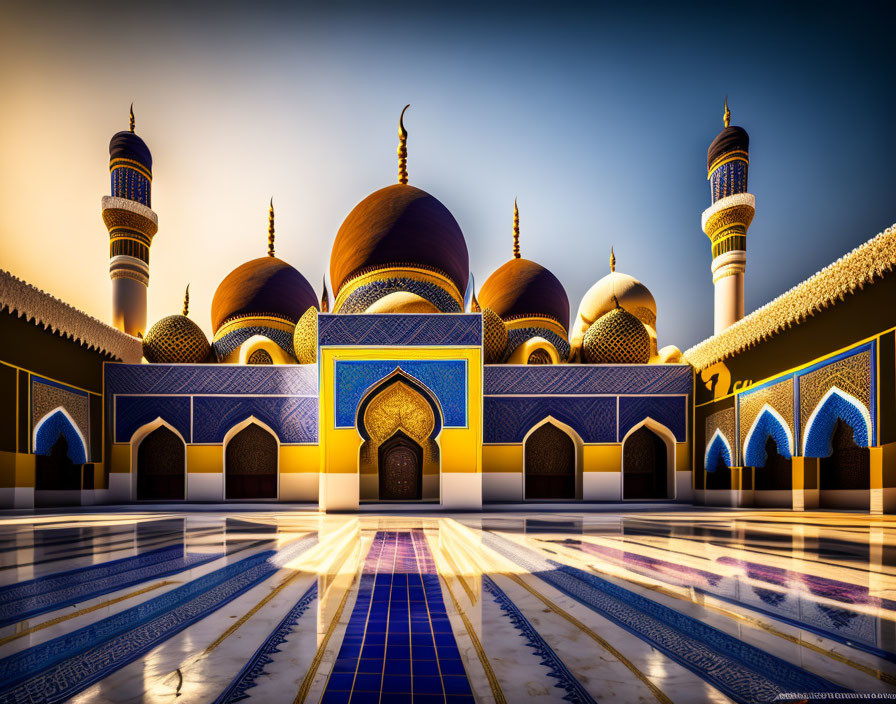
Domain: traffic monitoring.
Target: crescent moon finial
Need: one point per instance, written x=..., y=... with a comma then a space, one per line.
x=271, y=229
x=402, y=148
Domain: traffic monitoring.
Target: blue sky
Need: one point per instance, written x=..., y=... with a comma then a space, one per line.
x=597, y=120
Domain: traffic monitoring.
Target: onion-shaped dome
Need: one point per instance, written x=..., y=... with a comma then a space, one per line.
x=399, y=229
x=127, y=145
x=305, y=337
x=614, y=288
x=617, y=337
x=522, y=288
x=494, y=336
x=730, y=139
x=263, y=287
x=175, y=339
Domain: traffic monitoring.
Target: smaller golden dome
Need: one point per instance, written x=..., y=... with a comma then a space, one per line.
x=494, y=336
x=402, y=302
x=304, y=340
x=617, y=337
x=175, y=339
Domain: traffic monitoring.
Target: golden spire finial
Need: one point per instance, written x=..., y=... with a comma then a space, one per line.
x=612, y=260
x=516, y=230
x=402, y=148
x=187, y=301
x=727, y=116
x=324, y=298
x=132, y=117
x=271, y=229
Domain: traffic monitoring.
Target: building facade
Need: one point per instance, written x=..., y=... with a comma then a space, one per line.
x=400, y=382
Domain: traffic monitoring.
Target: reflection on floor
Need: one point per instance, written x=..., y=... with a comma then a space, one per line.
x=287, y=606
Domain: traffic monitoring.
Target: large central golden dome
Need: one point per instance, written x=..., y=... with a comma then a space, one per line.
x=399, y=226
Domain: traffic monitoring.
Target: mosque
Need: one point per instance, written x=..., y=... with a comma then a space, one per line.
x=400, y=381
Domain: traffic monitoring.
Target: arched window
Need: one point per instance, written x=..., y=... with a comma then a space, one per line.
x=250, y=464
x=848, y=467
x=161, y=466
x=550, y=462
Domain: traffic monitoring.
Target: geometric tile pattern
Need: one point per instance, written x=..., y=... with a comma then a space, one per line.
x=742, y=671
x=671, y=411
x=447, y=379
x=768, y=425
x=293, y=420
x=508, y=419
x=37, y=596
x=58, y=669
x=298, y=380
x=462, y=329
x=133, y=412
x=566, y=681
x=255, y=667
x=835, y=406
x=779, y=396
x=852, y=374
x=588, y=379
x=399, y=642
x=54, y=425
x=723, y=421
x=47, y=395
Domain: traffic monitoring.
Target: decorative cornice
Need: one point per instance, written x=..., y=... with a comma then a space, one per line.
x=747, y=199
x=42, y=309
x=116, y=203
x=866, y=264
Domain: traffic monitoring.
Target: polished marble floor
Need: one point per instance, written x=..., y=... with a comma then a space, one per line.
x=140, y=605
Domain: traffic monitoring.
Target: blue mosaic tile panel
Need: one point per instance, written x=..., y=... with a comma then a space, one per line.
x=294, y=420
x=671, y=411
x=717, y=449
x=818, y=441
x=399, y=643
x=37, y=596
x=50, y=429
x=507, y=420
x=133, y=412
x=290, y=380
x=767, y=425
x=57, y=669
x=588, y=379
x=447, y=379
x=741, y=671
x=462, y=329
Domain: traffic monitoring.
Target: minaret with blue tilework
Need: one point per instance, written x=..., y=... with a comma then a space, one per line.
x=132, y=225
x=725, y=222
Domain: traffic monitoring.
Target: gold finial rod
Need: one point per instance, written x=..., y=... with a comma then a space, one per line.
x=612, y=261
x=726, y=118
x=402, y=148
x=516, y=230
x=187, y=301
x=132, y=117
x=271, y=229
x=324, y=298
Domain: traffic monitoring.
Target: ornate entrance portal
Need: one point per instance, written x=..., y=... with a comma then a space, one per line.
x=401, y=469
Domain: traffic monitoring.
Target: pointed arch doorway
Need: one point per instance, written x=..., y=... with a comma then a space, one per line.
x=400, y=469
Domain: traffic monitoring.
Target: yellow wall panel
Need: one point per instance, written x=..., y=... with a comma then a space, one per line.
x=683, y=458
x=502, y=458
x=602, y=458
x=205, y=459
x=299, y=459
x=120, y=458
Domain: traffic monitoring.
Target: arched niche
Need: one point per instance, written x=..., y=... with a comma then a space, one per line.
x=251, y=462
x=552, y=462
x=648, y=462
x=768, y=424
x=160, y=467
x=399, y=421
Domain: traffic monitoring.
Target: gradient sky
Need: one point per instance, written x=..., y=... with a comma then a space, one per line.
x=599, y=122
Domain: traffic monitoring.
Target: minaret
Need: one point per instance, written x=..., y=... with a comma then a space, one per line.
x=726, y=221
x=131, y=224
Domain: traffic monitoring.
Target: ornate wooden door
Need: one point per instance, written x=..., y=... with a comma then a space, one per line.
x=644, y=466
x=401, y=469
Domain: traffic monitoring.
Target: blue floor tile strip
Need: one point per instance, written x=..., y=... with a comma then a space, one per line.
x=60, y=589
x=60, y=668
x=566, y=681
x=399, y=643
x=741, y=671
x=255, y=668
